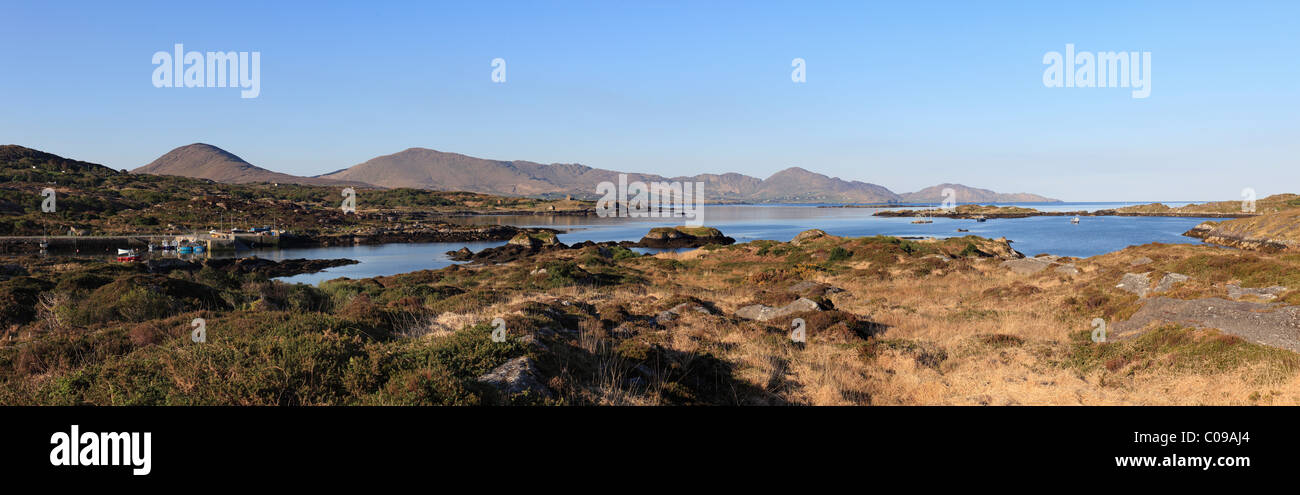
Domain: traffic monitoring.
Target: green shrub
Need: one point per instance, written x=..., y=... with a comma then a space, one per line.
x=839, y=254
x=141, y=304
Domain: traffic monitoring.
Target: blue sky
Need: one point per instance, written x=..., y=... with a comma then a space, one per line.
x=902, y=94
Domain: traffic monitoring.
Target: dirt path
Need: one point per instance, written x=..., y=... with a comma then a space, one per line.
x=1276, y=325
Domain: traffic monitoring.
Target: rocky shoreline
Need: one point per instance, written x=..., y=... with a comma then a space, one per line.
x=1211, y=232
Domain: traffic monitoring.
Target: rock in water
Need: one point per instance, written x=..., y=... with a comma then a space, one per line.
x=534, y=240
x=463, y=254
x=517, y=376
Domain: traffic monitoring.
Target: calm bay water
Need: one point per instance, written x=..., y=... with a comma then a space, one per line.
x=1034, y=235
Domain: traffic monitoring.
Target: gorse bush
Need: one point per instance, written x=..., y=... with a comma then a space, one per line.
x=142, y=304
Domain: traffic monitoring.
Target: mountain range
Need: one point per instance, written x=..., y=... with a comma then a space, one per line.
x=423, y=168
x=205, y=161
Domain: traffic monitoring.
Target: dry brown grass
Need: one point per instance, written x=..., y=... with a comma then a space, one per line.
x=962, y=332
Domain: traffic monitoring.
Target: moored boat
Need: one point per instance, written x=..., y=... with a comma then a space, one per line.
x=127, y=256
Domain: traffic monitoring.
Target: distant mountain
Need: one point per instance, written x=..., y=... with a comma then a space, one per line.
x=796, y=185
x=204, y=161
x=967, y=194
x=426, y=168
x=430, y=169
x=422, y=168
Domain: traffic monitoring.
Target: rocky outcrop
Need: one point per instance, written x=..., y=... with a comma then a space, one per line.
x=1201, y=230
x=1135, y=283
x=534, y=239
x=811, y=235
x=518, y=376
x=961, y=247
x=1276, y=231
x=1140, y=283
x=1268, y=324
x=762, y=312
x=684, y=237
x=1030, y=266
x=1168, y=282
x=1236, y=291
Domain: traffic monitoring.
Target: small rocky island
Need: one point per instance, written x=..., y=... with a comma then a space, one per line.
x=684, y=237
x=526, y=244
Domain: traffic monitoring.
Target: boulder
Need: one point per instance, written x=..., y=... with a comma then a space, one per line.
x=1136, y=283
x=1169, y=280
x=762, y=312
x=811, y=289
x=462, y=254
x=1140, y=261
x=517, y=376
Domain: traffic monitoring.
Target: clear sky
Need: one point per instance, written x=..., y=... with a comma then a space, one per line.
x=901, y=94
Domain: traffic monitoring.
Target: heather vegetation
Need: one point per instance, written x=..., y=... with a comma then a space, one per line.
x=889, y=321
